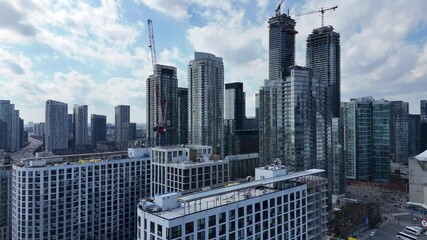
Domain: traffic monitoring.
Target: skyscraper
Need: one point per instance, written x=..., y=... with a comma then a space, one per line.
x=281, y=45
x=399, y=131
x=206, y=100
x=10, y=115
x=98, y=128
x=281, y=50
x=122, y=121
x=182, y=115
x=3, y=135
x=162, y=100
x=56, y=127
x=234, y=115
x=323, y=55
x=80, y=125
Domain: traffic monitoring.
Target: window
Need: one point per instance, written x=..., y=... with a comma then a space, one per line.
x=212, y=221
x=231, y=214
x=152, y=226
x=189, y=227
x=176, y=232
x=201, y=224
x=212, y=233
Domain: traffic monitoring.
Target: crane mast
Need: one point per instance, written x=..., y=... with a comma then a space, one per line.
x=321, y=10
x=152, y=45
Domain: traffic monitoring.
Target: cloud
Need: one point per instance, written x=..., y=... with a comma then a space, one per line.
x=14, y=20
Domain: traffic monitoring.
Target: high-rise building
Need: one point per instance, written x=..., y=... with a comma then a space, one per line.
x=301, y=124
x=206, y=100
x=10, y=115
x=234, y=104
x=132, y=131
x=185, y=169
x=39, y=128
x=399, y=131
x=281, y=50
x=423, y=118
x=56, y=127
x=162, y=109
x=367, y=131
x=122, y=120
x=414, y=134
x=277, y=205
x=336, y=178
x=281, y=46
x=56, y=199
x=182, y=116
x=81, y=133
x=98, y=128
x=257, y=101
x=323, y=55
x=70, y=119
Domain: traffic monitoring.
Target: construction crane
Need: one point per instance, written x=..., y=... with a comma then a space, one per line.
x=152, y=46
x=278, y=8
x=161, y=104
x=321, y=10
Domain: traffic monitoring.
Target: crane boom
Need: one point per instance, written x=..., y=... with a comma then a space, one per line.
x=152, y=45
x=321, y=10
x=278, y=8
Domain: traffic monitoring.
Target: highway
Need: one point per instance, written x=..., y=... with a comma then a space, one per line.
x=27, y=151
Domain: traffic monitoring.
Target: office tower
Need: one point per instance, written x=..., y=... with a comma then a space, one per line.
x=247, y=141
x=21, y=133
x=56, y=127
x=257, y=102
x=185, y=169
x=368, y=139
x=423, y=119
x=234, y=104
x=206, y=100
x=122, y=120
x=268, y=114
x=87, y=199
x=279, y=205
x=162, y=109
x=3, y=135
x=182, y=115
x=281, y=46
x=98, y=128
x=10, y=115
x=399, y=131
x=80, y=125
x=323, y=55
x=5, y=200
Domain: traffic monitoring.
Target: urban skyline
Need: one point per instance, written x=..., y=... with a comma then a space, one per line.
x=30, y=67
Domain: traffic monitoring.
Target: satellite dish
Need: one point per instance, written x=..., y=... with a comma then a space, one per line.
x=277, y=161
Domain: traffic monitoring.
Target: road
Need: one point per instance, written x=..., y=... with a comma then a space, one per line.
x=27, y=151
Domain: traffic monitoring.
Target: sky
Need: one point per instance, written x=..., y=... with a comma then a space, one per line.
x=96, y=52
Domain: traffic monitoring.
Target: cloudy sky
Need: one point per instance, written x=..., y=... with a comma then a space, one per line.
x=96, y=52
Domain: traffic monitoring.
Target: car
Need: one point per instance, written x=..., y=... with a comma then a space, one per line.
x=373, y=233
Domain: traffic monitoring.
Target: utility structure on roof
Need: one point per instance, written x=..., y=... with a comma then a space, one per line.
x=321, y=10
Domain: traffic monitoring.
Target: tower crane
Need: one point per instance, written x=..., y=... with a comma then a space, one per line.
x=321, y=10
x=278, y=8
x=161, y=104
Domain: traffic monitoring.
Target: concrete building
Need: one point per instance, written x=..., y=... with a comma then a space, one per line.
x=186, y=169
x=162, y=101
x=182, y=116
x=122, y=121
x=80, y=120
x=268, y=114
x=278, y=206
x=243, y=165
x=247, y=141
x=98, y=128
x=418, y=181
x=336, y=178
x=56, y=128
x=88, y=198
x=3, y=135
x=206, y=100
x=39, y=128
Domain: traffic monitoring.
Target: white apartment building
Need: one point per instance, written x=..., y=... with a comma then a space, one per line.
x=85, y=199
x=280, y=205
x=186, y=169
